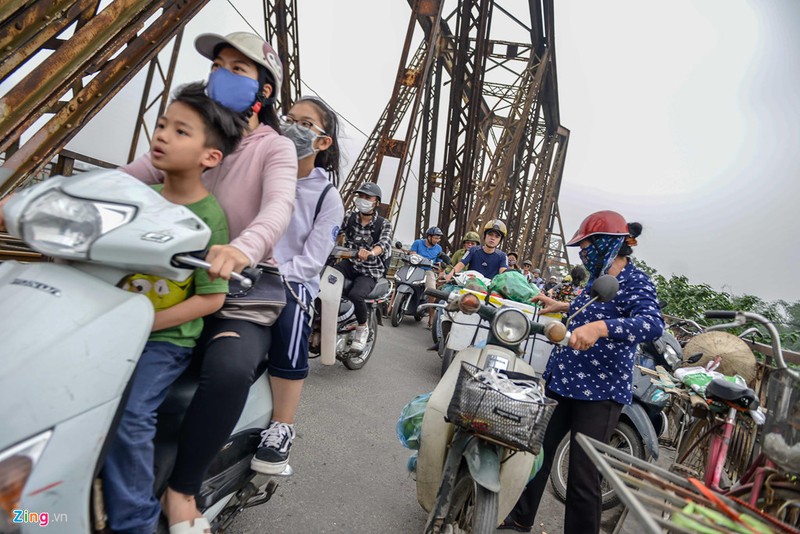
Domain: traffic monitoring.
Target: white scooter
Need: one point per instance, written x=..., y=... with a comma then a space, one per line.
x=333, y=329
x=460, y=330
x=71, y=342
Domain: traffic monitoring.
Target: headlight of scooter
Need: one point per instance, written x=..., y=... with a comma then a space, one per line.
x=415, y=259
x=57, y=224
x=510, y=326
x=16, y=465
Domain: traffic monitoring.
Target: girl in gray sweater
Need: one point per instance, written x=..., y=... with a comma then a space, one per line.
x=301, y=254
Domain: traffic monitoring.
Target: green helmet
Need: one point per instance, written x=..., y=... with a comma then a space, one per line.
x=471, y=236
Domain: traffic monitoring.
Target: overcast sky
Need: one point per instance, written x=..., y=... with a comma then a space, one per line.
x=683, y=116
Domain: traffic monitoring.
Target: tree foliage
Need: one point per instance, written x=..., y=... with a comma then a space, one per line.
x=680, y=298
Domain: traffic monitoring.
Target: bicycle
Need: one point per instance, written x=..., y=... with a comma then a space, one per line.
x=764, y=484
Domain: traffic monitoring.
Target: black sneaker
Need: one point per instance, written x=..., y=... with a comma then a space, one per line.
x=272, y=455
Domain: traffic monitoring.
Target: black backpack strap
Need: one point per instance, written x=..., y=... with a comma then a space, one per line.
x=349, y=225
x=321, y=198
x=377, y=229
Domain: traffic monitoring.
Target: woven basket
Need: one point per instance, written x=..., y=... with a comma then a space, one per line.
x=479, y=408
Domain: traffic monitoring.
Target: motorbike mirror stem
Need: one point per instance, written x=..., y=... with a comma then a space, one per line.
x=580, y=310
x=604, y=289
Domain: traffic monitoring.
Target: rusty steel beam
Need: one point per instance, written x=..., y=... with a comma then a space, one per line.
x=115, y=30
x=540, y=231
x=160, y=97
x=9, y=8
x=461, y=152
x=432, y=9
x=429, y=180
x=494, y=185
x=389, y=122
x=523, y=184
x=280, y=22
x=79, y=56
x=30, y=30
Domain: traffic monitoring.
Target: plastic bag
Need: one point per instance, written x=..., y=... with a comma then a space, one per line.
x=697, y=378
x=473, y=280
x=514, y=286
x=409, y=426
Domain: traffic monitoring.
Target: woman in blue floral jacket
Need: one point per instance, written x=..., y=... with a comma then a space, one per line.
x=591, y=378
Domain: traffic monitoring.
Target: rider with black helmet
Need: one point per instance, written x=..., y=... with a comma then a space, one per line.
x=369, y=233
x=487, y=259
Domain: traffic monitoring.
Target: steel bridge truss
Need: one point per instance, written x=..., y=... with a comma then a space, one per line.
x=499, y=150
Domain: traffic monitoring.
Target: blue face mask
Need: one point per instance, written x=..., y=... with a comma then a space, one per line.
x=600, y=254
x=235, y=92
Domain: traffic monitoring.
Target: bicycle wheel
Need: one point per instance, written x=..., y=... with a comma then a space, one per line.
x=693, y=453
x=473, y=508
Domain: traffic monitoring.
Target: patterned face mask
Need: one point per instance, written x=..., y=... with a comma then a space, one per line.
x=600, y=254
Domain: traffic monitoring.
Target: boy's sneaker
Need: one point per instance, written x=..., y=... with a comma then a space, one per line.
x=359, y=338
x=272, y=455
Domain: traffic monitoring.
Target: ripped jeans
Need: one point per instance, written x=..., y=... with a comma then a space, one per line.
x=234, y=354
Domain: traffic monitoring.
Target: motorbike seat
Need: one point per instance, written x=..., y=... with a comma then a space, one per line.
x=380, y=289
x=346, y=285
x=724, y=390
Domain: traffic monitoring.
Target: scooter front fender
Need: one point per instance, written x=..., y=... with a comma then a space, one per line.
x=483, y=461
x=330, y=294
x=638, y=416
x=404, y=288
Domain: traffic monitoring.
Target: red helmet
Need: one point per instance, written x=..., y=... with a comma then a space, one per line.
x=601, y=222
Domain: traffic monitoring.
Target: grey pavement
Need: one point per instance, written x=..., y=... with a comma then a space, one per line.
x=350, y=469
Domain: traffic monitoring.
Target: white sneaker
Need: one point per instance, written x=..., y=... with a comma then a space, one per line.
x=359, y=338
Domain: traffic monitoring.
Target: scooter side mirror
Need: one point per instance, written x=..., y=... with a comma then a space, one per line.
x=604, y=288
x=398, y=244
x=444, y=258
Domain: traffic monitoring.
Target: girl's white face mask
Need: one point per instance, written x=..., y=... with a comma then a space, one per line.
x=364, y=206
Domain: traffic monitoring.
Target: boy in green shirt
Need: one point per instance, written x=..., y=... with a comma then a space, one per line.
x=193, y=135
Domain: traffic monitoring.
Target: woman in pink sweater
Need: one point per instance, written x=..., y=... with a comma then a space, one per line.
x=256, y=188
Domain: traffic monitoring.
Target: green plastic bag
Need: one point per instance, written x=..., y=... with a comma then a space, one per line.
x=409, y=426
x=514, y=286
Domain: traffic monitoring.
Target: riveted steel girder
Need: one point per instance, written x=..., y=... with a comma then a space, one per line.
x=109, y=48
x=502, y=149
x=282, y=27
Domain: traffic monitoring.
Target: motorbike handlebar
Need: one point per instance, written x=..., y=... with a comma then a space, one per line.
x=556, y=333
x=246, y=279
x=437, y=293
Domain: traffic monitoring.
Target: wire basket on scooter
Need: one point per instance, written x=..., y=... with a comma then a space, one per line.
x=517, y=421
x=781, y=432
